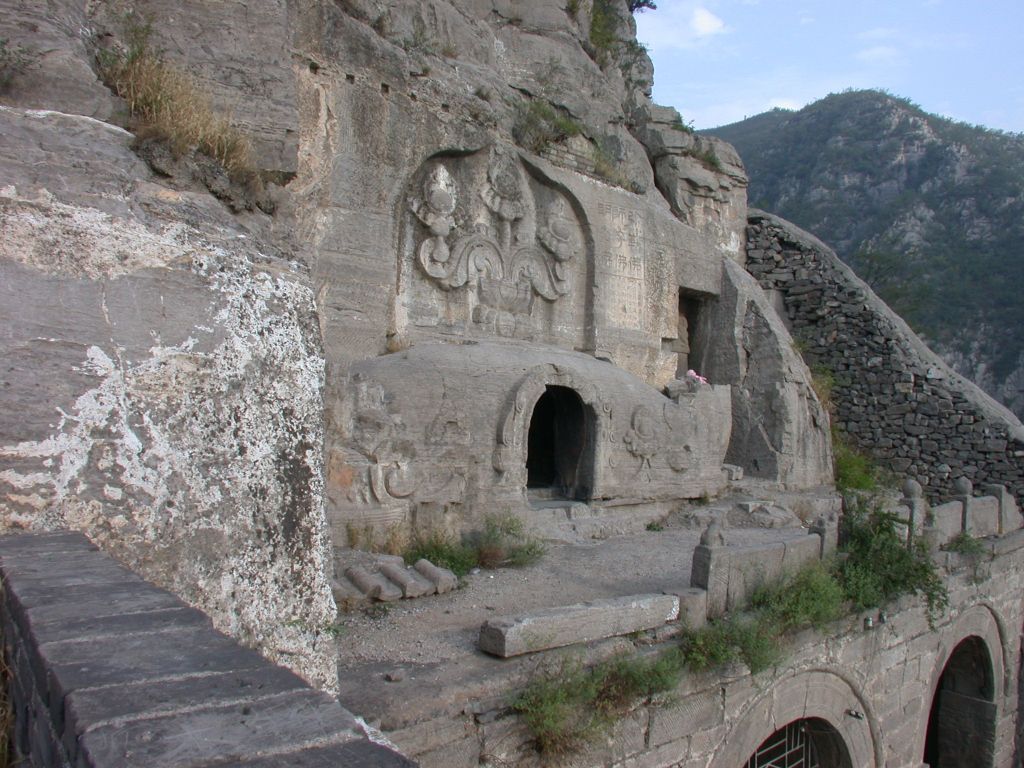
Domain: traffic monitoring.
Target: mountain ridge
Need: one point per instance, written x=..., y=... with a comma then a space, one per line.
x=929, y=211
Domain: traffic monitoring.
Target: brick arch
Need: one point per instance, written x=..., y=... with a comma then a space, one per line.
x=983, y=623
x=814, y=693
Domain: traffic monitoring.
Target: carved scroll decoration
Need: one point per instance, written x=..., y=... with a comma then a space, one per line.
x=508, y=257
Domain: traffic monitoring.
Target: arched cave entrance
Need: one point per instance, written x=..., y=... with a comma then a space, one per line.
x=560, y=446
x=962, y=723
x=807, y=743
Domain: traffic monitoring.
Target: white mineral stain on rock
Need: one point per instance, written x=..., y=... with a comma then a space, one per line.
x=198, y=464
x=74, y=241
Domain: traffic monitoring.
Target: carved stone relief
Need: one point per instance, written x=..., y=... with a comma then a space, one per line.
x=669, y=434
x=381, y=437
x=497, y=238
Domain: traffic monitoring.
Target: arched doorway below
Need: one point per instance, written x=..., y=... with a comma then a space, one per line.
x=560, y=446
x=807, y=743
x=962, y=723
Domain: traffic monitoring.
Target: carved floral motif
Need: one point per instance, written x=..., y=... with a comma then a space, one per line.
x=509, y=257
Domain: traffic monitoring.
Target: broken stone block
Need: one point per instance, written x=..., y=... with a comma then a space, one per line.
x=693, y=606
x=442, y=579
x=410, y=582
x=373, y=585
x=556, y=627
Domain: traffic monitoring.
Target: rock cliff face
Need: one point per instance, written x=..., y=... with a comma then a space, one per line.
x=162, y=368
x=478, y=217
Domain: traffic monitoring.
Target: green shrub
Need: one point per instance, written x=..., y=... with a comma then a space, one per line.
x=707, y=158
x=757, y=639
x=709, y=647
x=880, y=566
x=602, y=31
x=444, y=551
x=823, y=382
x=811, y=597
x=965, y=544
x=502, y=542
x=568, y=706
x=854, y=470
x=557, y=708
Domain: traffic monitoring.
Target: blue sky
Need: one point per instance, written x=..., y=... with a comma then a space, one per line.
x=718, y=61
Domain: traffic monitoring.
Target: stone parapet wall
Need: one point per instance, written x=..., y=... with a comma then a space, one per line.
x=107, y=670
x=892, y=396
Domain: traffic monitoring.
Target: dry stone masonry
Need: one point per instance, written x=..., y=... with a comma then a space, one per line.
x=893, y=397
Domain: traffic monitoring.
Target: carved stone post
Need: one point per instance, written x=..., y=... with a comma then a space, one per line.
x=913, y=499
x=710, y=570
x=965, y=495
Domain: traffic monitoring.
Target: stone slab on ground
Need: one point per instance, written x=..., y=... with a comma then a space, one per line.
x=556, y=627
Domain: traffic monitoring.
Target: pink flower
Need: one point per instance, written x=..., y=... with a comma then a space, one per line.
x=692, y=374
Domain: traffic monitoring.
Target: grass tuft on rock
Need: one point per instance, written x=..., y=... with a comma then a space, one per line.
x=570, y=705
x=167, y=104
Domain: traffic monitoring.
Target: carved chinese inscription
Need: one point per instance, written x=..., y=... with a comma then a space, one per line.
x=516, y=249
x=624, y=267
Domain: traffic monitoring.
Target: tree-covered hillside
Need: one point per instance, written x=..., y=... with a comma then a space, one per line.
x=929, y=211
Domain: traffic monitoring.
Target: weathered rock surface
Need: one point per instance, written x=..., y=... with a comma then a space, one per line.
x=162, y=381
x=54, y=38
x=167, y=386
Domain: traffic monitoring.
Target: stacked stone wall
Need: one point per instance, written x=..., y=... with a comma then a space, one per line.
x=892, y=396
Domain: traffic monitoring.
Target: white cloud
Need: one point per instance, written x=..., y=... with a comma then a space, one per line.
x=879, y=55
x=704, y=23
x=879, y=33
x=683, y=25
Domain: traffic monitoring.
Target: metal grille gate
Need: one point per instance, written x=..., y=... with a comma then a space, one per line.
x=789, y=747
